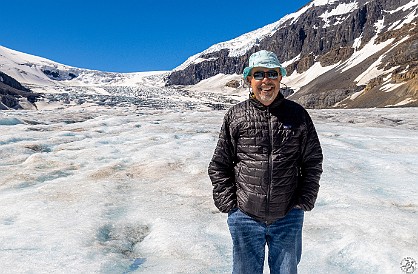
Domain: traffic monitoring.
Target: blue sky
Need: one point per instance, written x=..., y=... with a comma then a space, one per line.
x=131, y=36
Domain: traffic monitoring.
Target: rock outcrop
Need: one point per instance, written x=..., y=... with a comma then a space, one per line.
x=13, y=95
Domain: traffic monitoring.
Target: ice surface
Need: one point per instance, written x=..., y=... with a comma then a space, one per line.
x=125, y=190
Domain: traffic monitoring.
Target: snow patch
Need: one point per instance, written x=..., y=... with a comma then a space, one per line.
x=297, y=80
x=341, y=9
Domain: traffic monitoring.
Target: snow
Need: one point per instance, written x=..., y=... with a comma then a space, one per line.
x=27, y=69
x=341, y=9
x=125, y=190
x=297, y=80
x=404, y=102
x=380, y=24
x=237, y=46
x=240, y=45
x=413, y=4
x=373, y=71
x=243, y=43
x=217, y=84
x=323, y=2
x=359, y=56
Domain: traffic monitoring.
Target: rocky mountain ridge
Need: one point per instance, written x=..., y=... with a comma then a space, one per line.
x=331, y=35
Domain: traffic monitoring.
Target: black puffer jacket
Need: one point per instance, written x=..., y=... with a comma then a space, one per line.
x=267, y=160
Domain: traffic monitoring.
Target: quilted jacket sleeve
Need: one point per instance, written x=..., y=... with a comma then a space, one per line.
x=311, y=167
x=221, y=170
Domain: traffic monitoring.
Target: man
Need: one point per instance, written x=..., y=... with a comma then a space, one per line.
x=265, y=171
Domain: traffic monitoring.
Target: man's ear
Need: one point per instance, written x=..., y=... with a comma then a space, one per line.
x=248, y=79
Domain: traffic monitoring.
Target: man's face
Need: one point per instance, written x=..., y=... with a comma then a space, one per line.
x=265, y=89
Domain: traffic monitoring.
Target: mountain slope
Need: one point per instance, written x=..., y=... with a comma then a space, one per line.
x=56, y=85
x=65, y=84
x=337, y=54
x=13, y=95
x=43, y=75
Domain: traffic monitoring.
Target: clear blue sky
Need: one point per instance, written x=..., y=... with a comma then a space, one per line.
x=130, y=36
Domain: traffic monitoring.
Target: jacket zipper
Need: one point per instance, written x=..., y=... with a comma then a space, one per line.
x=270, y=165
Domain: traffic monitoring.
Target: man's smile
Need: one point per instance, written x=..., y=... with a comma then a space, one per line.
x=267, y=88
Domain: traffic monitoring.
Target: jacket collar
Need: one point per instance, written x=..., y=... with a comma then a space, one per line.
x=279, y=99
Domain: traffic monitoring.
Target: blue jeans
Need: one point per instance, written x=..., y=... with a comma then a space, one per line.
x=249, y=238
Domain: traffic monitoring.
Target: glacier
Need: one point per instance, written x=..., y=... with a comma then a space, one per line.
x=125, y=190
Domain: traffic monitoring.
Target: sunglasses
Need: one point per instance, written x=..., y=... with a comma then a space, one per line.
x=271, y=74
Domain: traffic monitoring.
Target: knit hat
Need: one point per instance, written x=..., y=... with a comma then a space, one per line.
x=264, y=59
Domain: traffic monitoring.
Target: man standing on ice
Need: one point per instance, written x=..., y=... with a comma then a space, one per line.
x=265, y=171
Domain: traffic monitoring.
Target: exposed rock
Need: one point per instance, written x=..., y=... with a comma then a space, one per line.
x=304, y=63
x=233, y=84
x=59, y=75
x=11, y=82
x=326, y=99
x=12, y=92
x=335, y=55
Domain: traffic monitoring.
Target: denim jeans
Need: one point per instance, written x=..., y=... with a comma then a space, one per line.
x=249, y=238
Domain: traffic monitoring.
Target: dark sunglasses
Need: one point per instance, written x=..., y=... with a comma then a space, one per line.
x=260, y=75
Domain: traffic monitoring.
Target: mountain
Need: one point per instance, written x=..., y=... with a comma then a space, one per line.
x=55, y=82
x=43, y=83
x=345, y=54
x=338, y=54
x=46, y=76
